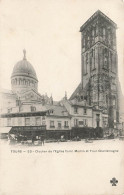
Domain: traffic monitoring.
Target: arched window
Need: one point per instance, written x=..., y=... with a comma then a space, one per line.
x=96, y=29
x=109, y=37
x=104, y=33
x=88, y=41
x=86, y=64
x=93, y=58
x=114, y=101
x=93, y=36
x=105, y=58
x=106, y=99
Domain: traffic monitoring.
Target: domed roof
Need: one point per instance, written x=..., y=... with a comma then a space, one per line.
x=24, y=68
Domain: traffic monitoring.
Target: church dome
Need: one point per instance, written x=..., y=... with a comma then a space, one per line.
x=24, y=68
x=23, y=76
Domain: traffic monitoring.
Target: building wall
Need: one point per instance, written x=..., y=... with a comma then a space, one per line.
x=7, y=100
x=84, y=121
x=55, y=120
x=23, y=83
x=38, y=121
x=99, y=64
x=21, y=121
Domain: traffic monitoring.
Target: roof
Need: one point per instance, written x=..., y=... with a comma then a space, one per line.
x=56, y=103
x=24, y=68
x=57, y=110
x=5, y=129
x=76, y=91
x=7, y=92
x=80, y=91
x=24, y=114
x=28, y=90
x=98, y=12
x=74, y=102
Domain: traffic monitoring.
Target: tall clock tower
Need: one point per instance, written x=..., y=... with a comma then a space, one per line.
x=99, y=64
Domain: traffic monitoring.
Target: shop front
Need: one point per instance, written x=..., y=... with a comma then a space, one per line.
x=29, y=131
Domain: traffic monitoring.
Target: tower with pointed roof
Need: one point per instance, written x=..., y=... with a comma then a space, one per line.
x=99, y=69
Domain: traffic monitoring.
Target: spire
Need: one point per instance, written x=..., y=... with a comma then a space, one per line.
x=51, y=99
x=65, y=95
x=24, y=52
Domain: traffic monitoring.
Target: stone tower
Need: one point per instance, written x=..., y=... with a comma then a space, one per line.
x=99, y=70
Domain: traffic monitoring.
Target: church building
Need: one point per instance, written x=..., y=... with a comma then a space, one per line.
x=99, y=66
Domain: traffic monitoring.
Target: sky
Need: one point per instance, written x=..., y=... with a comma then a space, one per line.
x=49, y=31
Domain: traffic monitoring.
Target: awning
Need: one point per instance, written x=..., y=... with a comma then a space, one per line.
x=5, y=129
x=28, y=128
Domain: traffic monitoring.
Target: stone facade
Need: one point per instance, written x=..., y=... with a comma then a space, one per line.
x=99, y=70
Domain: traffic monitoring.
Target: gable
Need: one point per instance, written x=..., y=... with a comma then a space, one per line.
x=31, y=95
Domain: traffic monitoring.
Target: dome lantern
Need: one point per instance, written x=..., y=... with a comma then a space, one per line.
x=24, y=52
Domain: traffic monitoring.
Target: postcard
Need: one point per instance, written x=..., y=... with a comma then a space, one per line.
x=61, y=97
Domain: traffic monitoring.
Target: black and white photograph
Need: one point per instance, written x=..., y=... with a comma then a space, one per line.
x=61, y=97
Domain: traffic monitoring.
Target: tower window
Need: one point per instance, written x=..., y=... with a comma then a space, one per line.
x=88, y=41
x=97, y=117
x=106, y=99
x=85, y=111
x=93, y=36
x=92, y=52
x=85, y=97
x=105, y=58
x=75, y=110
x=114, y=101
x=82, y=97
x=86, y=64
x=104, y=33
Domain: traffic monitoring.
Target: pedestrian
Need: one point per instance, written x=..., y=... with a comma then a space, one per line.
x=33, y=139
x=42, y=140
